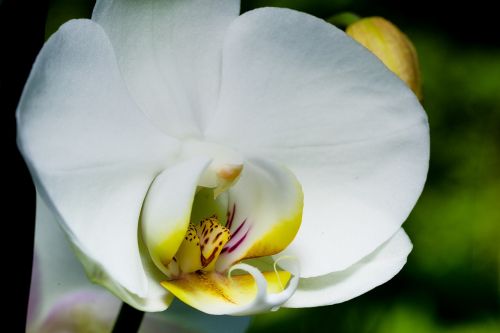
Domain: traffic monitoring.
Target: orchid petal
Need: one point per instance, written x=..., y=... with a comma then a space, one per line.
x=298, y=90
x=170, y=54
x=167, y=209
x=265, y=212
x=56, y=270
x=92, y=155
x=375, y=269
x=57, y=274
x=244, y=294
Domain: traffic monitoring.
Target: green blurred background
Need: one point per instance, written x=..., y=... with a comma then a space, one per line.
x=451, y=282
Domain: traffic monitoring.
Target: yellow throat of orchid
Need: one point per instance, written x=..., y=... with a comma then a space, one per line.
x=236, y=211
x=193, y=278
x=200, y=248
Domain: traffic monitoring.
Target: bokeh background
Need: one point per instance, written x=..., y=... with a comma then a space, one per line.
x=451, y=282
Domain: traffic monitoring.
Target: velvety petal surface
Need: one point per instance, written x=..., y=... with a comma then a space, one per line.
x=92, y=154
x=170, y=56
x=373, y=270
x=298, y=90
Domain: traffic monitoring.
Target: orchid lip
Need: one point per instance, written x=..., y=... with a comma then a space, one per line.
x=194, y=277
x=205, y=288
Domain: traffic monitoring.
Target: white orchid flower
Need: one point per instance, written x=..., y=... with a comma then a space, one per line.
x=174, y=140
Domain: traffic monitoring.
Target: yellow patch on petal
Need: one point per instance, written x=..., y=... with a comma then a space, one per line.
x=215, y=293
x=167, y=249
x=189, y=254
x=280, y=236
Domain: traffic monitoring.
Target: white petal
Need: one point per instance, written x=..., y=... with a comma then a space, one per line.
x=56, y=270
x=170, y=55
x=298, y=90
x=92, y=153
x=265, y=212
x=167, y=209
x=372, y=271
x=58, y=277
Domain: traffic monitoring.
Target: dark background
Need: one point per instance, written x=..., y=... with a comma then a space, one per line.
x=451, y=282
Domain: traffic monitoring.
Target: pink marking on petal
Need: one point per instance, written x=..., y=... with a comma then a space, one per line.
x=239, y=228
x=235, y=246
x=231, y=217
x=234, y=242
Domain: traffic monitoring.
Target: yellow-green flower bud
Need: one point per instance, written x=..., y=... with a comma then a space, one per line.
x=391, y=46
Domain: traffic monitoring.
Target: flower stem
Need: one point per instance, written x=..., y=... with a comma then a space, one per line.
x=129, y=320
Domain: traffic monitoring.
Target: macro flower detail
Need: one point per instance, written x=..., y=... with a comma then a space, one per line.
x=237, y=162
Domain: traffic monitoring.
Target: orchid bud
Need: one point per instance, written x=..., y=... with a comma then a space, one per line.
x=391, y=46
